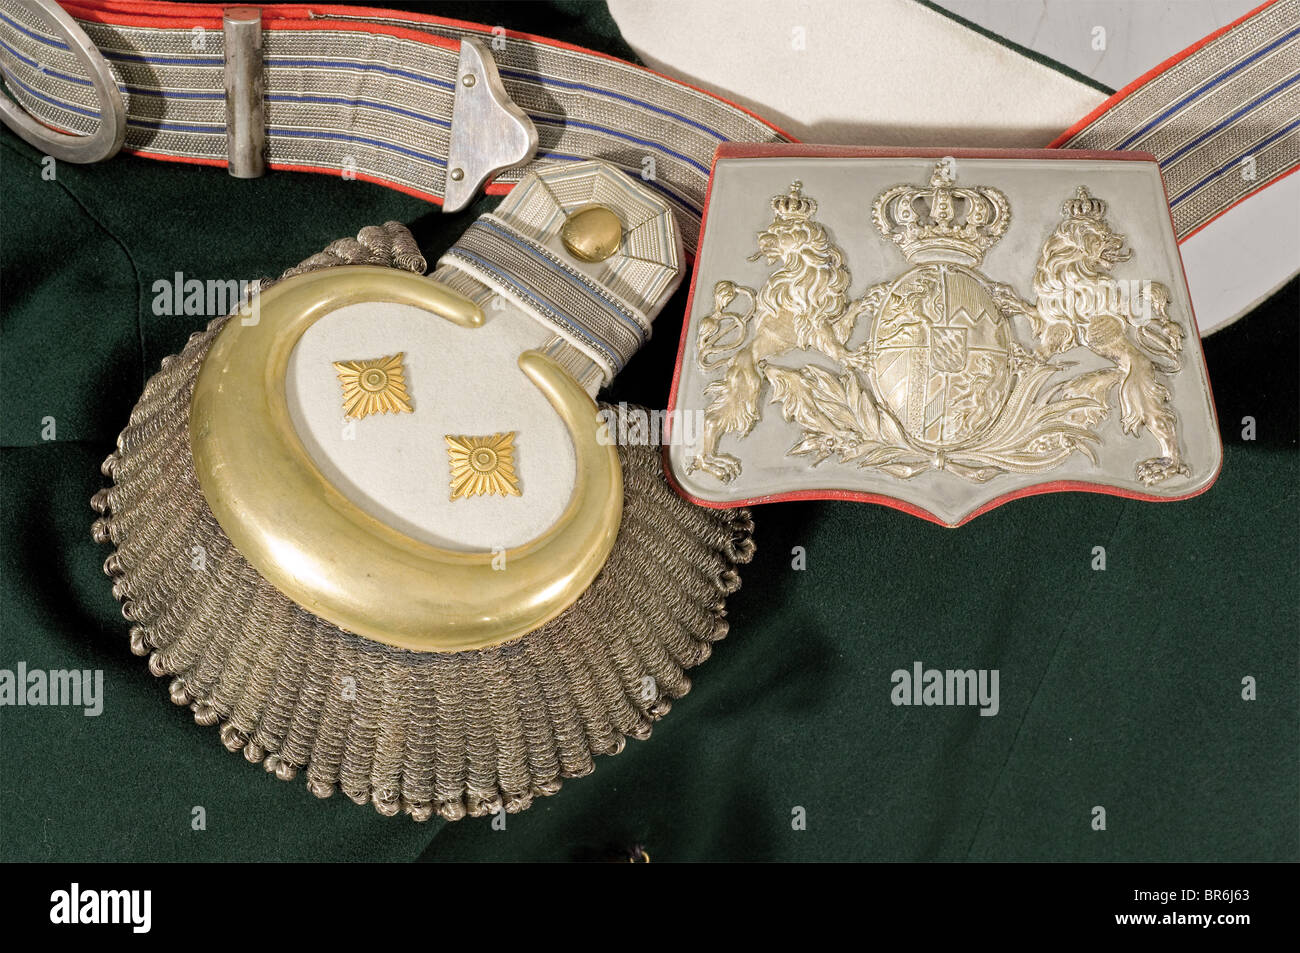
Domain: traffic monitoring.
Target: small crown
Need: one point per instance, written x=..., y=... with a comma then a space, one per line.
x=1083, y=205
x=794, y=205
x=942, y=223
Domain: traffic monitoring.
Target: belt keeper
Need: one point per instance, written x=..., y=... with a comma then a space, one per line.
x=245, y=109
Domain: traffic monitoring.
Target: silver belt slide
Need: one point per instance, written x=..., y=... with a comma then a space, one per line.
x=941, y=332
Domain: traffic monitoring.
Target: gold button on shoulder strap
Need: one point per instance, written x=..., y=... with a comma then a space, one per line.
x=592, y=233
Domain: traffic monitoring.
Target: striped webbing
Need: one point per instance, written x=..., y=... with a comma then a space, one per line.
x=543, y=284
x=1223, y=120
x=369, y=92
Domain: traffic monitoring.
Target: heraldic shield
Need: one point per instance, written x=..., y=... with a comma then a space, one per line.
x=940, y=389
x=942, y=360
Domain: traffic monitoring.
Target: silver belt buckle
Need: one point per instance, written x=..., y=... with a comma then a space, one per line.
x=107, y=139
x=939, y=333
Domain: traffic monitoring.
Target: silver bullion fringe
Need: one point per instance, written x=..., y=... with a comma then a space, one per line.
x=445, y=734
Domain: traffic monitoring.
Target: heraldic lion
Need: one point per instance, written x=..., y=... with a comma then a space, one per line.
x=803, y=305
x=1079, y=305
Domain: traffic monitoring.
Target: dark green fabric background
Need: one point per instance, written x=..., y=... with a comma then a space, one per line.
x=1118, y=688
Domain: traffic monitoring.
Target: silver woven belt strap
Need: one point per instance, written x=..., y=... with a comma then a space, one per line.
x=368, y=93
x=1223, y=120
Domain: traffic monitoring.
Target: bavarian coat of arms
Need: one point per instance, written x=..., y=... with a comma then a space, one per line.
x=941, y=368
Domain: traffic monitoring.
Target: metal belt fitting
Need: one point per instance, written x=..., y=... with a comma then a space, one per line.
x=488, y=134
x=245, y=108
x=107, y=138
x=384, y=96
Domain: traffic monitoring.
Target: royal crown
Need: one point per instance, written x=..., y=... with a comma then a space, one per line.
x=794, y=205
x=943, y=222
x=1083, y=205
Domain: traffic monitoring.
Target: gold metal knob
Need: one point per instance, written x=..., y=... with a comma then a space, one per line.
x=592, y=233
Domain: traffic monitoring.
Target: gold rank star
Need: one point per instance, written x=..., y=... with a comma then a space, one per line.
x=373, y=387
x=482, y=466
